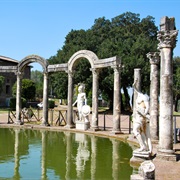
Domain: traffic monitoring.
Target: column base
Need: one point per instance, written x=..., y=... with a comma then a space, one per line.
x=168, y=155
x=96, y=128
x=116, y=132
x=69, y=126
x=19, y=122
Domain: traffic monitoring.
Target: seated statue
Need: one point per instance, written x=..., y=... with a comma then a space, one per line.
x=83, y=108
x=141, y=120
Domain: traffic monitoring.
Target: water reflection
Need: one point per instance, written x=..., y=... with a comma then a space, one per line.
x=57, y=155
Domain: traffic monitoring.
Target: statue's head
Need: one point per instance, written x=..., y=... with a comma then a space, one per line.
x=81, y=88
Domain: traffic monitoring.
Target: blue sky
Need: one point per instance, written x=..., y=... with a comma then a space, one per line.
x=40, y=26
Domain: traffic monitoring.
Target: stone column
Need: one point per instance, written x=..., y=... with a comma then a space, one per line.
x=18, y=99
x=116, y=102
x=70, y=123
x=45, y=100
x=137, y=78
x=154, y=92
x=94, y=124
x=167, y=38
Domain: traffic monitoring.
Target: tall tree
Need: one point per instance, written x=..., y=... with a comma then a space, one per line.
x=28, y=89
x=126, y=36
x=176, y=83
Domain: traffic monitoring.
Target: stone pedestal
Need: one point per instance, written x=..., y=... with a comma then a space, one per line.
x=81, y=125
x=139, y=157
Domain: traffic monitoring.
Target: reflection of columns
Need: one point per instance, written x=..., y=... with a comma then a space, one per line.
x=68, y=154
x=70, y=123
x=16, y=155
x=116, y=101
x=94, y=124
x=18, y=99
x=115, y=159
x=137, y=79
x=154, y=90
x=93, y=156
x=45, y=100
x=43, y=156
x=167, y=37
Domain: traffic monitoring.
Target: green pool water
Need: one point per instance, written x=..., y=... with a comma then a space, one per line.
x=39, y=154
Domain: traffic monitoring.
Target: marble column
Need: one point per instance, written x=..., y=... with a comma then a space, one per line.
x=45, y=100
x=94, y=124
x=137, y=78
x=154, y=92
x=116, y=102
x=70, y=123
x=167, y=38
x=18, y=99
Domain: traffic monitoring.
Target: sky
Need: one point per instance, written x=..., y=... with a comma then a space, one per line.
x=40, y=26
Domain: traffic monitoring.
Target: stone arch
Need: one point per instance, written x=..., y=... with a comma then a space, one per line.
x=22, y=64
x=30, y=59
x=89, y=55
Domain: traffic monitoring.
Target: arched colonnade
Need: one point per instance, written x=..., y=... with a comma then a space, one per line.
x=96, y=64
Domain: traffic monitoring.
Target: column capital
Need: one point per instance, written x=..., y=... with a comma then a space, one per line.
x=116, y=68
x=167, y=39
x=95, y=71
x=70, y=73
x=19, y=74
x=154, y=57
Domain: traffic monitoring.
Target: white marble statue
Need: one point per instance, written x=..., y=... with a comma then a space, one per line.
x=141, y=120
x=83, y=108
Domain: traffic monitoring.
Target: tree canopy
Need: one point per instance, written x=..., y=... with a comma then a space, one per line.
x=28, y=89
x=126, y=36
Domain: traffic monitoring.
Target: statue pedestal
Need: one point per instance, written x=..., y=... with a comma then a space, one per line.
x=139, y=157
x=81, y=125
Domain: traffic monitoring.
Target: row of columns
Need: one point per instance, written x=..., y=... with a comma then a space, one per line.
x=19, y=104
x=161, y=112
x=95, y=88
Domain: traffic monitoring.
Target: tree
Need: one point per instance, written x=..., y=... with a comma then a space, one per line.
x=28, y=89
x=176, y=81
x=37, y=78
x=125, y=36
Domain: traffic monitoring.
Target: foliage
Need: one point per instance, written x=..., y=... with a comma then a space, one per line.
x=51, y=104
x=12, y=103
x=125, y=36
x=28, y=89
x=176, y=81
x=37, y=78
x=1, y=83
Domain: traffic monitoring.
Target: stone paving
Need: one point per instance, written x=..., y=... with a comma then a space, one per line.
x=164, y=169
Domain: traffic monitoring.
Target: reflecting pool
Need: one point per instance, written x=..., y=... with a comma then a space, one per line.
x=33, y=154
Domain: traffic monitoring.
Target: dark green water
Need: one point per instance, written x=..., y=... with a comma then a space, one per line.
x=32, y=154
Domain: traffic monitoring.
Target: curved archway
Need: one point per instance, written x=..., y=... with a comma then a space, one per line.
x=30, y=59
x=89, y=55
x=22, y=64
x=92, y=58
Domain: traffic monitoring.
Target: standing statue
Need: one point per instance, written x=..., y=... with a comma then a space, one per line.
x=83, y=108
x=141, y=120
